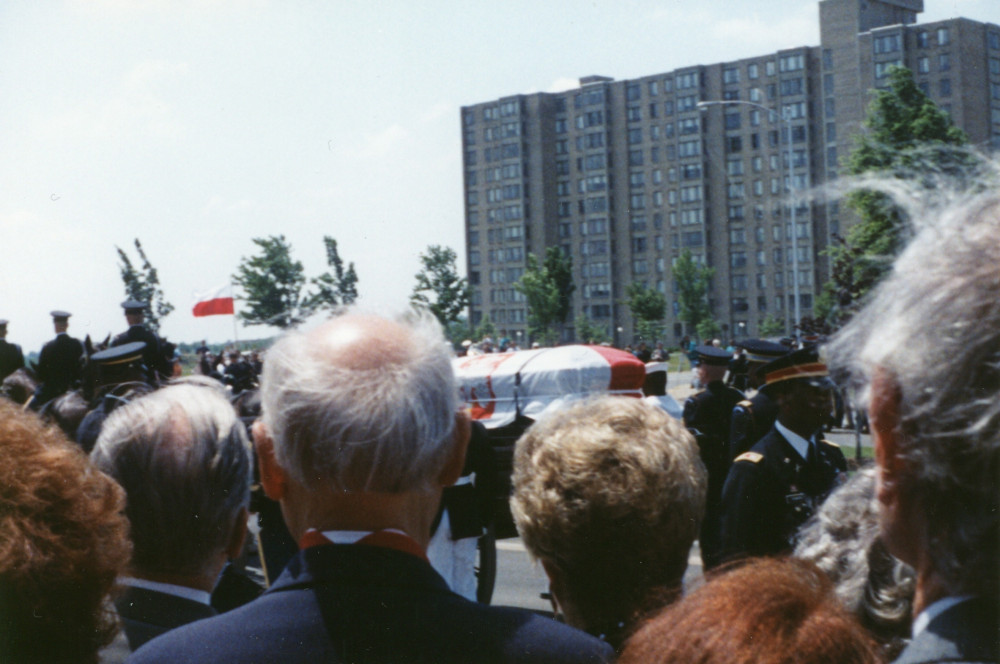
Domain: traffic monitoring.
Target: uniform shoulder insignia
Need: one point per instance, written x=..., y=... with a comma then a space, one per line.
x=829, y=442
x=752, y=457
x=746, y=403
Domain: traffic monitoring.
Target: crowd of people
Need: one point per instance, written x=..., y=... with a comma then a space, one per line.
x=357, y=431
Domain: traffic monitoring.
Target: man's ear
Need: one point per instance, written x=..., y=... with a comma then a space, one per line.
x=883, y=416
x=272, y=476
x=456, y=458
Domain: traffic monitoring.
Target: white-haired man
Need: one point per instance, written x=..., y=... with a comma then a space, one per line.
x=183, y=458
x=360, y=432
x=928, y=349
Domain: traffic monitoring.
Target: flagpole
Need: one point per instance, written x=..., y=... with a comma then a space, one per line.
x=236, y=337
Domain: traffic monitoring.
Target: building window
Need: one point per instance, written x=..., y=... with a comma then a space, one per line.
x=692, y=239
x=689, y=148
x=737, y=259
x=734, y=167
x=791, y=62
x=730, y=75
x=791, y=86
x=944, y=62
x=944, y=87
x=632, y=92
x=634, y=136
x=691, y=171
x=687, y=103
x=769, y=68
x=734, y=144
x=737, y=236
x=943, y=38
x=923, y=39
x=735, y=190
x=688, y=80
x=637, y=201
x=738, y=282
x=653, y=87
x=635, y=158
x=633, y=113
x=882, y=68
x=887, y=43
x=732, y=121
x=753, y=71
x=923, y=65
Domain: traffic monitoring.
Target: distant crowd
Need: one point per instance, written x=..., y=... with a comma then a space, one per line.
x=131, y=544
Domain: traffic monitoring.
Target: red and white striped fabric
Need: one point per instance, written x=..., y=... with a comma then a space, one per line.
x=215, y=302
x=497, y=385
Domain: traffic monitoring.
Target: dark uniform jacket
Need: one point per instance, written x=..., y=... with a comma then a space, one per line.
x=771, y=491
x=706, y=414
x=59, y=366
x=750, y=420
x=11, y=358
x=965, y=633
x=152, y=356
x=358, y=603
x=147, y=614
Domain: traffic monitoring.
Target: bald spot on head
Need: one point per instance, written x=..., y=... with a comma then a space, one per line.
x=361, y=342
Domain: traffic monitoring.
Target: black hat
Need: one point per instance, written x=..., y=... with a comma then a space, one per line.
x=759, y=350
x=124, y=354
x=712, y=356
x=803, y=364
x=60, y=316
x=134, y=306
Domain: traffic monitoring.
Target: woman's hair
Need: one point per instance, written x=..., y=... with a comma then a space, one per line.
x=768, y=611
x=63, y=542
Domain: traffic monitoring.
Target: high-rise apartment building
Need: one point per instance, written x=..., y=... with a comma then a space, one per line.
x=625, y=175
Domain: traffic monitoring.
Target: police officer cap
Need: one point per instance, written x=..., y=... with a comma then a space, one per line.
x=759, y=350
x=130, y=352
x=712, y=356
x=60, y=316
x=134, y=306
x=808, y=364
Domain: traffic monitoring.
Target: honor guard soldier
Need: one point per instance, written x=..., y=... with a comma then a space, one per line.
x=772, y=489
x=152, y=355
x=753, y=417
x=59, y=362
x=120, y=375
x=706, y=415
x=11, y=357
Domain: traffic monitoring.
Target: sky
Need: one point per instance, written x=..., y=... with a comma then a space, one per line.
x=198, y=125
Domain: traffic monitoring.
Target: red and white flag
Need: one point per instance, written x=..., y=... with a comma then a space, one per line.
x=214, y=302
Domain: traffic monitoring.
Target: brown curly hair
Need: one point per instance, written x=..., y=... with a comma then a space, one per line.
x=63, y=542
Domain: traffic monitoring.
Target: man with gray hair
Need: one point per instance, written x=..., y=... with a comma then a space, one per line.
x=927, y=351
x=360, y=433
x=183, y=458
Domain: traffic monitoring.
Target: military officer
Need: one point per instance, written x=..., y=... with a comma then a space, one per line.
x=706, y=415
x=59, y=362
x=753, y=417
x=152, y=355
x=772, y=489
x=11, y=357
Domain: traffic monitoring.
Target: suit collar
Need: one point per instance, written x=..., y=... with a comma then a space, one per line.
x=800, y=444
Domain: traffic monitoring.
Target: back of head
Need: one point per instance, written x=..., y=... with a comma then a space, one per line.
x=182, y=456
x=768, y=611
x=933, y=327
x=362, y=403
x=842, y=539
x=63, y=542
x=611, y=492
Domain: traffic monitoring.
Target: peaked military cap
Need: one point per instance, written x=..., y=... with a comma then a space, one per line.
x=130, y=352
x=60, y=316
x=712, y=356
x=134, y=306
x=803, y=364
x=759, y=350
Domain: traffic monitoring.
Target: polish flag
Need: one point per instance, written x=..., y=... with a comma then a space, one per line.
x=215, y=302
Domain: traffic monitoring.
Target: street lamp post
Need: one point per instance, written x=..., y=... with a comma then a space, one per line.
x=786, y=121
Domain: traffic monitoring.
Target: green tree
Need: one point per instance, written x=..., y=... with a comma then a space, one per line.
x=692, y=280
x=707, y=328
x=771, y=326
x=439, y=288
x=648, y=308
x=486, y=328
x=547, y=288
x=587, y=331
x=272, y=285
x=143, y=284
x=333, y=289
x=909, y=138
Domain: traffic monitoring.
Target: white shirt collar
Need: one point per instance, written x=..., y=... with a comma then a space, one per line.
x=934, y=610
x=193, y=594
x=800, y=444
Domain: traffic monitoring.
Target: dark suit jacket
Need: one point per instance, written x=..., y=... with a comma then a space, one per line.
x=147, y=614
x=152, y=356
x=59, y=365
x=356, y=603
x=967, y=632
x=11, y=358
x=771, y=491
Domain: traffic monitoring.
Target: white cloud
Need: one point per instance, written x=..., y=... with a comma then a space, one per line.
x=375, y=146
x=563, y=84
x=438, y=111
